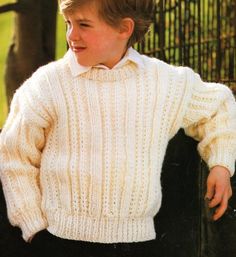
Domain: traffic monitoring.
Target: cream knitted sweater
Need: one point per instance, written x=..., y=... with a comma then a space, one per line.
x=82, y=156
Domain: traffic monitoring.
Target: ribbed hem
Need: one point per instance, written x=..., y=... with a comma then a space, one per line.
x=101, y=230
x=223, y=158
x=31, y=224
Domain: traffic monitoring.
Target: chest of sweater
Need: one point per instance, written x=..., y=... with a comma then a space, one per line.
x=120, y=113
x=108, y=136
x=92, y=113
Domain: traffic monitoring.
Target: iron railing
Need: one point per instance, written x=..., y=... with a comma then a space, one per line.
x=197, y=33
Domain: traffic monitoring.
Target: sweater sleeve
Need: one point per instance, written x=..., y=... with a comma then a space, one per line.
x=21, y=144
x=210, y=118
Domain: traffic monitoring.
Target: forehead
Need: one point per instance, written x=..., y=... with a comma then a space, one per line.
x=74, y=6
x=88, y=9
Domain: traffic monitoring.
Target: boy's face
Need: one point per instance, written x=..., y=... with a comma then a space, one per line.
x=91, y=39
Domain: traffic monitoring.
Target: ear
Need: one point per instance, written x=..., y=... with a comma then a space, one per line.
x=126, y=28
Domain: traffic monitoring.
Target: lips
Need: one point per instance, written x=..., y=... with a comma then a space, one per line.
x=78, y=49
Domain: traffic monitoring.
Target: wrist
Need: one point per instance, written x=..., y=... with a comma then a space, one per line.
x=222, y=169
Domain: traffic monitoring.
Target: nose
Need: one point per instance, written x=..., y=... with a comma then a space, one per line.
x=72, y=33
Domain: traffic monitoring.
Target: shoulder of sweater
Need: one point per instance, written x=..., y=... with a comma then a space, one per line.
x=165, y=67
x=39, y=79
x=46, y=69
x=36, y=95
x=184, y=76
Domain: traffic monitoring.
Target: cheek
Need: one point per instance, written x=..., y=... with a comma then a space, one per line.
x=103, y=42
x=94, y=43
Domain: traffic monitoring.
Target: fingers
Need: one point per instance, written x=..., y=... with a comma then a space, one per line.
x=220, y=201
x=218, y=190
x=210, y=190
x=217, y=198
x=222, y=208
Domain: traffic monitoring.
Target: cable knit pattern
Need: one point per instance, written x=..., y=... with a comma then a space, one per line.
x=82, y=156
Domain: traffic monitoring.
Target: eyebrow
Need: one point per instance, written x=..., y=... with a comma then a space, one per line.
x=79, y=20
x=83, y=20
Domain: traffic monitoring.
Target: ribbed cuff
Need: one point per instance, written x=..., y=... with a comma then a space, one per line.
x=223, y=158
x=31, y=224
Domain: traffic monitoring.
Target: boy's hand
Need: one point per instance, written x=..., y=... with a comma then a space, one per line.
x=218, y=190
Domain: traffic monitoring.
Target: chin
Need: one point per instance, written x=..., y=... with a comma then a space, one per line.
x=84, y=63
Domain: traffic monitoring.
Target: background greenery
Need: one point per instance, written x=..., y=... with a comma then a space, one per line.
x=7, y=26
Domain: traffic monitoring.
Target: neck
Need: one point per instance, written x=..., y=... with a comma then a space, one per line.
x=120, y=57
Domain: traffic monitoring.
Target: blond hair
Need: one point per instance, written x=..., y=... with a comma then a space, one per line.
x=113, y=11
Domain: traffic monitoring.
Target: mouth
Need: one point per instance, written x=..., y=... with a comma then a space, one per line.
x=78, y=49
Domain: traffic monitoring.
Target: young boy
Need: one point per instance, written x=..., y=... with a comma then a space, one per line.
x=83, y=146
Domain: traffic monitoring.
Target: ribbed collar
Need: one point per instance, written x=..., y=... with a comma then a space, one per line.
x=77, y=69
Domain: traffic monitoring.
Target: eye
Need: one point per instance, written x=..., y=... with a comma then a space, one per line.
x=84, y=25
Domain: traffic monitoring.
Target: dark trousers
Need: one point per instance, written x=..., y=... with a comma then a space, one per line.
x=47, y=245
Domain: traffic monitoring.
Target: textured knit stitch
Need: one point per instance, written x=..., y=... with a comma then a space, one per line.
x=82, y=156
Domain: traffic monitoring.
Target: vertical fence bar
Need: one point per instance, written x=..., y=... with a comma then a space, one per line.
x=154, y=29
x=173, y=36
x=180, y=33
x=199, y=37
x=218, y=54
x=162, y=31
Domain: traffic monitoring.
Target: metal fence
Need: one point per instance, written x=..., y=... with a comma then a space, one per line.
x=197, y=33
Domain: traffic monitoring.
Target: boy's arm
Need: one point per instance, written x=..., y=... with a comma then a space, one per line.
x=21, y=144
x=210, y=118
